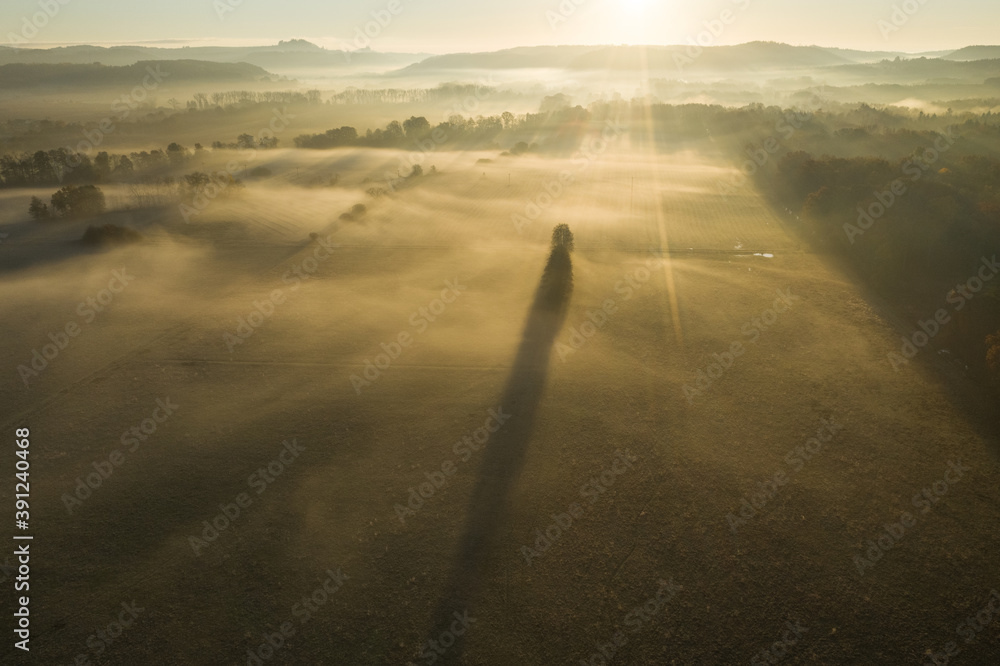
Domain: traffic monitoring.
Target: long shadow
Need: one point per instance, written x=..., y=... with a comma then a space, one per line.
x=506, y=449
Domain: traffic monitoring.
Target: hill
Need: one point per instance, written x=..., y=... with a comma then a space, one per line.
x=296, y=53
x=975, y=53
x=22, y=75
x=750, y=56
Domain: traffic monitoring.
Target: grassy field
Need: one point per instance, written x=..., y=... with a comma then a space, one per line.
x=603, y=441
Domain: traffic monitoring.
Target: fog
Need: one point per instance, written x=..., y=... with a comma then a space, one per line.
x=517, y=348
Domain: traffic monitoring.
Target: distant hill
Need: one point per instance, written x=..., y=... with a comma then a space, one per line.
x=750, y=56
x=922, y=70
x=294, y=54
x=975, y=53
x=21, y=75
x=291, y=57
x=754, y=55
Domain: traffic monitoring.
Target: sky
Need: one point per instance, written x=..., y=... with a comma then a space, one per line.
x=447, y=26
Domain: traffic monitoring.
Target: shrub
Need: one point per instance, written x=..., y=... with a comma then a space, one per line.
x=357, y=212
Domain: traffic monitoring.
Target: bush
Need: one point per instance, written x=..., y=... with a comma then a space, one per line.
x=356, y=213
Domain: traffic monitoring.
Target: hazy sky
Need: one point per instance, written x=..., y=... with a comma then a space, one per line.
x=439, y=26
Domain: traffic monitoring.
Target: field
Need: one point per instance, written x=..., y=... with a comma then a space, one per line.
x=317, y=416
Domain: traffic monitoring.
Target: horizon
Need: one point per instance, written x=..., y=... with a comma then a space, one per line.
x=262, y=43
x=447, y=26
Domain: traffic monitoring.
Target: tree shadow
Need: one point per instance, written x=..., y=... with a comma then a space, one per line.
x=506, y=449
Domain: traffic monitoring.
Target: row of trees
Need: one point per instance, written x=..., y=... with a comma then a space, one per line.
x=74, y=201
x=247, y=142
x=443, y=93
x=241, y=98
x=558, y=128
x=61, y=166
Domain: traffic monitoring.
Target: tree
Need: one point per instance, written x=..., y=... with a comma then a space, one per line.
x=246, y=141
x=102, y=163
x=72, y=201
x=417, y=171
x=197, y=180
x=41, y=164
x=124, y=168
x=520, y=148
x=38, y=210
x=416, y=127
x=562, y=237
x=393, y=133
